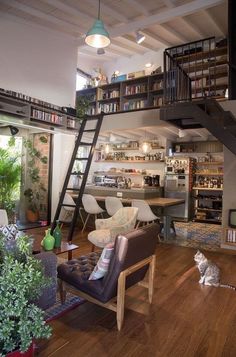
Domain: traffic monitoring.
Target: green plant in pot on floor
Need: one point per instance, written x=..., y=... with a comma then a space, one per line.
x=21, y=281
x=36, y=191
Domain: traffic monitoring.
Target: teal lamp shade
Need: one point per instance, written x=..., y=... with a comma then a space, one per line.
x=97, y=36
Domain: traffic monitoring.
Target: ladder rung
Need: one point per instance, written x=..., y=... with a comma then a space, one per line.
x=81, y=158
x=77, y=173
x=89, y=130
x=66, y=205
x=85, y=144
x=72, y=189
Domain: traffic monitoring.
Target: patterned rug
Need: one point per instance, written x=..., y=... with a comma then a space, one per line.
x=197, y=235
x=59, y=309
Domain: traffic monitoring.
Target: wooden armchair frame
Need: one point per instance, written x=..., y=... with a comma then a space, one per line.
x=117, y=303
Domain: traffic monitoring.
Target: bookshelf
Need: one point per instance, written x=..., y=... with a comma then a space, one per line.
x=34, y=110
x=141, y=93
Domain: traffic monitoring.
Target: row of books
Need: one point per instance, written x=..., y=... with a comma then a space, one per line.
x=157, y=85
x=108, y=107
x=109, y=94
x=231, y=236
x=45, y=116
x=157, y=101
x=139, y=88
x=138, y=104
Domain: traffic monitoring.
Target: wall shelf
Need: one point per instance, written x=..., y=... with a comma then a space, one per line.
x=131, y=161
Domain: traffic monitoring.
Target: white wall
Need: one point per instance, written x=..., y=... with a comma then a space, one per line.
x=63, y=146
x=134, y=63
x=37, y=62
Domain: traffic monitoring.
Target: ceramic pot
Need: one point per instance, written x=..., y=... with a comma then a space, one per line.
x=32, y=216
x=28, y=353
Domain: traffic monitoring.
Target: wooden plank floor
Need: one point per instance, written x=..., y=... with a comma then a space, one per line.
x=185, y=319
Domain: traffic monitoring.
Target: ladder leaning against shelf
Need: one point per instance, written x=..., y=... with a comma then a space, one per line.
x=90, y=125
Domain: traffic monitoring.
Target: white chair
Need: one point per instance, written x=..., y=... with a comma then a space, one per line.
x=107, y=229
x=3, y=217
x=67, y=212
x=91, y=207
x=145, y=214
x=112, y=204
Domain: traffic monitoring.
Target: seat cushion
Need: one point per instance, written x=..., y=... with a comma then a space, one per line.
x=100, y=237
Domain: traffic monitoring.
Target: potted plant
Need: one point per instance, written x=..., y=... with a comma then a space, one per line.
x=82, y=105
x=21, y=281
x=36, y=191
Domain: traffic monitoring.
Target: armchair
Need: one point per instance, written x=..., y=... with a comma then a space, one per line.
x=133, y=254
x=107, y=229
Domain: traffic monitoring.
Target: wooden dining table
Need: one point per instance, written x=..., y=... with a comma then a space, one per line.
x=159, y=202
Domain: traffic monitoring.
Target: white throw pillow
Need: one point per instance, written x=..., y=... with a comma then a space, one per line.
x=101, y=269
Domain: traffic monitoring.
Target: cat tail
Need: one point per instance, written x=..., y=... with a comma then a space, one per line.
x=227, y=286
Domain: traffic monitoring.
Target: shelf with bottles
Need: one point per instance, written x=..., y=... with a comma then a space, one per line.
x=139, y=161
x=209, y=147
x=130, y=146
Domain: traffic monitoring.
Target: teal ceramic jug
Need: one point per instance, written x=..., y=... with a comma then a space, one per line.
x=57, y=235
x=48, y=241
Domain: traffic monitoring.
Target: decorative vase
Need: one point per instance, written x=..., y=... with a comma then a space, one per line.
x=32, y=216
x=28, y=353
x=48, y=241
x=57, y=235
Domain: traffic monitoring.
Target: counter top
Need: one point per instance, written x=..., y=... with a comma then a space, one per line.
x=156, y=201
x=133, y=189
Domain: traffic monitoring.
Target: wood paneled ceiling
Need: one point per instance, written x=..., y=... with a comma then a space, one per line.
x=164, y=22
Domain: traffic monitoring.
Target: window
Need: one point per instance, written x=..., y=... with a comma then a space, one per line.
x=82, y=79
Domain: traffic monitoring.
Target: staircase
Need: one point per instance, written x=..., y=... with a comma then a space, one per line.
x=87, y=137
x=206, y=113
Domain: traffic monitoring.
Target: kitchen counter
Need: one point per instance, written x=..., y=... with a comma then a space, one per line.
x=139, y=193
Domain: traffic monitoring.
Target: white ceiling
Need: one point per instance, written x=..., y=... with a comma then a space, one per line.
x=164, y=22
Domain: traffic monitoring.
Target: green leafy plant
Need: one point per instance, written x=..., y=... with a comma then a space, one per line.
x=82, y=105
x=36, y=190
x=21, y=281
x=10, y=176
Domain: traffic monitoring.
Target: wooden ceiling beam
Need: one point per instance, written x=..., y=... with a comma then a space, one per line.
x=40, y=14
x=156, y=38
x=192, y=27
x=141, y=8
x=212, y=20
x=174, y=33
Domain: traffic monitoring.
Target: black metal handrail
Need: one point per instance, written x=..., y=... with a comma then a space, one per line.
x=177, y=84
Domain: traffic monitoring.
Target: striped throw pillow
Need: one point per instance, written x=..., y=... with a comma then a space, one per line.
x=101, y=269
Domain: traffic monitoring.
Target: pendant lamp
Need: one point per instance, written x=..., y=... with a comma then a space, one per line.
x=145, y=147
x=98, y=36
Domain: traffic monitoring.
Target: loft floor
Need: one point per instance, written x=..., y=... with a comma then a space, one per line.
x=185, y=319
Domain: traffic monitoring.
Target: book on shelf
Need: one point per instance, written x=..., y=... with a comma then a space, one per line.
x=45, y=116
x=157, y=85
x=231, y=236
x=108, y=107
x=136, y=104
x=135, y=89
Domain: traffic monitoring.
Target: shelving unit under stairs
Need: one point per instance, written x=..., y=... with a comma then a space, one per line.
x=207, y=192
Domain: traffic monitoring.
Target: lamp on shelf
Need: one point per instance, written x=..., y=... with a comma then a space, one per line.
x=145, y=147
x=139, y=37
x=98, y=36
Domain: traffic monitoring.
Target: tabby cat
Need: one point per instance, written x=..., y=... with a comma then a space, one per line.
x=209, y=272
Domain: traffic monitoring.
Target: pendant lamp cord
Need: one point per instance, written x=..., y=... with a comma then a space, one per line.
x=98, y=9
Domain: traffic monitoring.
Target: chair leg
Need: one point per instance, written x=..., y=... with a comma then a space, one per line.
x=93, y=247
x=120, y=300
x=151, y=279
x=137, y=225
x=62, y=291
x=85, y=223
x=80, y=214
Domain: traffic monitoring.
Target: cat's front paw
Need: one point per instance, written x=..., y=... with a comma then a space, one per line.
x=201, y=281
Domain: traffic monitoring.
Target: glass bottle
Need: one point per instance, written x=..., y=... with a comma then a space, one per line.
x=57, y=235
x=48, y=241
